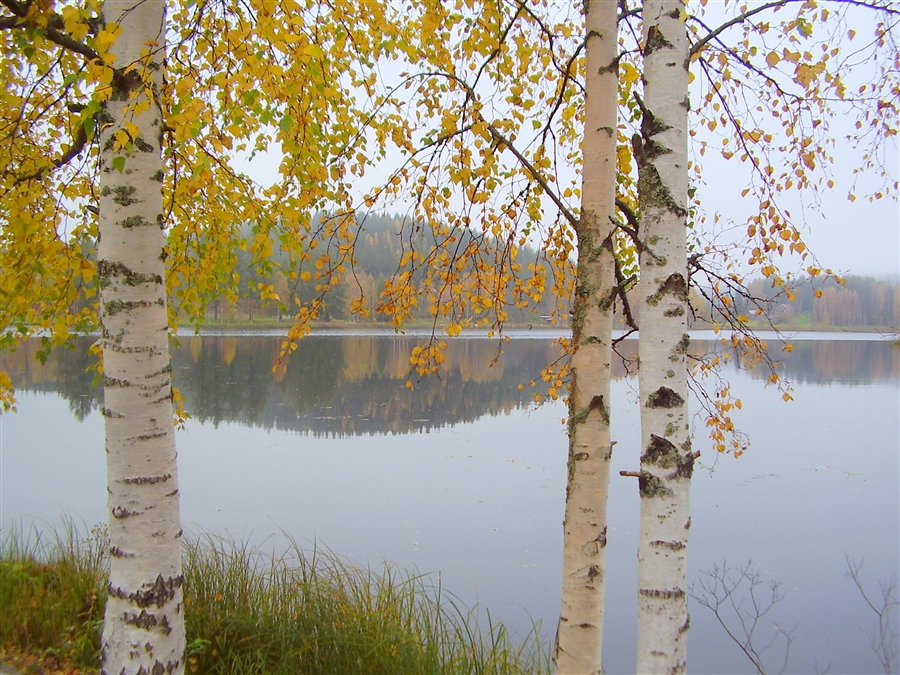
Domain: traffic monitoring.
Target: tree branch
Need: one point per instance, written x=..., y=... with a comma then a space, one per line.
x=740, y=18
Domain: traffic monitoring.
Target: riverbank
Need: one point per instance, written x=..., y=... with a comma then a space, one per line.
x=253, y=611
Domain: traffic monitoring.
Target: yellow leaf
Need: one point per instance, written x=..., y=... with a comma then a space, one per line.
x=772, y=59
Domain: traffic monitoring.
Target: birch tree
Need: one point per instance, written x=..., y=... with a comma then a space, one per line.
x=666, y=460
x=144, y=624
x=580, y=634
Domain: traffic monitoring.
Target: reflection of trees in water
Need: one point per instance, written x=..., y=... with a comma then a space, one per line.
x=71, y=372
x=837, y=362
x=355, y=384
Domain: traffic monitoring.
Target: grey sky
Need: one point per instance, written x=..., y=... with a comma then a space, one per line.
x=860, y=237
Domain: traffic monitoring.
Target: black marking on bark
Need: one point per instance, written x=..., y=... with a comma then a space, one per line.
x=597, y=404
x=577, y=418
x=685, y=626
x=681, y=348
x=143, y=145
x=651, y=125
x=651, y=486
x=103, y=117
x=687, y=525
x=601, y=539
x=678, y=311
x=123, y=195
x=606, y=302
x=112, y=414
x=586, y=625
x=579, y=456
x=161, y=371
x=113, y=307
x=169, y=668
x=685, y=466
x=607, y=455
x=124, y=83
x=671, y=545
x=121, y=512
x=664, y=398
x=158, y=176
x=664, y=594
x=661, y=452
x=107, y=270
x=673, y=285
x=133, y=221
x=593, y=573
x=147, y=621
x=655, y=41
x=150, y=437
x=161, y=592
x=147, y=480
x=116, y=552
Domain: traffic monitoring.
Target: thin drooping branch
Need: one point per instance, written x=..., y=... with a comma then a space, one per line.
x=884, y=635
x=555, y=198
x=775, y=4
x=740, y=18
x=78, y=144
x=52, y=33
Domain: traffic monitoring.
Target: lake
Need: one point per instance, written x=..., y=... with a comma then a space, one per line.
x=463, y=477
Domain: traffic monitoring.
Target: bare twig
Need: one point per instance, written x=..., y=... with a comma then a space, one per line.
x=884, y=634
x=740, y=614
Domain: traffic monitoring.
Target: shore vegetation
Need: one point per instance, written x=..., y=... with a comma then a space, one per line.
x=253, y=611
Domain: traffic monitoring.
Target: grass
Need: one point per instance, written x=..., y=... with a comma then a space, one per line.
x=251, y=612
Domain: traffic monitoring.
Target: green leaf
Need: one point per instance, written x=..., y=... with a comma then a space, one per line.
x=118, y=163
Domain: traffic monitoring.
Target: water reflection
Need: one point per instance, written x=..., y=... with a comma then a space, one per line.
x=356, y=384
x=482, y=503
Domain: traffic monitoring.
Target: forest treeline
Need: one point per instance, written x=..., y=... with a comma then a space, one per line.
x=857, y=302
x=377, y=256
x=384, y=239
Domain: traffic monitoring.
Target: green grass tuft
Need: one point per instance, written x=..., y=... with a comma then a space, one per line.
x=251, y=612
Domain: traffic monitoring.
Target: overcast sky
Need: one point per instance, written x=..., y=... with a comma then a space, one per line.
x=860, y=237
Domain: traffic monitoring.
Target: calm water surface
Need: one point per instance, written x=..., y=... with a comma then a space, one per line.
x=464, y=478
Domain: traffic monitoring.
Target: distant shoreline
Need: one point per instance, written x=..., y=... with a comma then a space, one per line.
x=423, y=328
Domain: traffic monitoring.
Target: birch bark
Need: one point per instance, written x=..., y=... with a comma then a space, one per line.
x=580, y=632
x=667, y=460
x=144, y=625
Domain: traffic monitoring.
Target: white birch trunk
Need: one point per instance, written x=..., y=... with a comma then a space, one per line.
x=580, y=634
x=144, y=625
x=667, y=460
